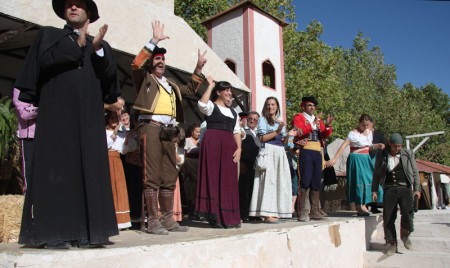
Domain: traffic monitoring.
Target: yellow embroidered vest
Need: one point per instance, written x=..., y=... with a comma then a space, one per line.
x=166, y=103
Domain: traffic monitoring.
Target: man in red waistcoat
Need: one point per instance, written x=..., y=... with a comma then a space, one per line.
x=311, y=130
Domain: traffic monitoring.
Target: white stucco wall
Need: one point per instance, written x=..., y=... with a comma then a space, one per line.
x=228, y=39
x=328, y=243
x=130, y=29
x=267, y=47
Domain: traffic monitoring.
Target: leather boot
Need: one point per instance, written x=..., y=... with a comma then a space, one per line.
x=301, y=200
x=404, y=235
x=166, y=204
x=153, y=224
x=392, y=249
x=315, y=203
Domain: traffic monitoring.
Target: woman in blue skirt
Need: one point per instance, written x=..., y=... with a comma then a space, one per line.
x=360, y=164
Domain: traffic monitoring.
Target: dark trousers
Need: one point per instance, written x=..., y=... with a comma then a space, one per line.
x=133, y=176
x=394, y=196
x=190, y=178
x=246, y=182
x=27, y=160
x=310, y=169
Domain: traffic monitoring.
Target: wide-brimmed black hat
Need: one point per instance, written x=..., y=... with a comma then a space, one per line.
x=59, y=7
x=159, y=50
x=310, y=99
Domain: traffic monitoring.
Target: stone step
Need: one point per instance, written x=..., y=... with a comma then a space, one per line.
x=434, y=244
x=430, y=240
x=406, y=258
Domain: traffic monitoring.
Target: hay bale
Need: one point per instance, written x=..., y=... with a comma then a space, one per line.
x=10, y=217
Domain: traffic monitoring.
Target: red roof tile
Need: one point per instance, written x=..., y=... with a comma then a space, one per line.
x=427, y=166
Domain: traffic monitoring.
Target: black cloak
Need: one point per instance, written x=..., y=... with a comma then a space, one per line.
x=69, y=196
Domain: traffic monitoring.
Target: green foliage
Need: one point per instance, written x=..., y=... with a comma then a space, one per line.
x=194, y=12
x=346, y=82
x=8, y=127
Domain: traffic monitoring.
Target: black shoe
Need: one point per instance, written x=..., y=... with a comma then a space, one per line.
x=254, y=219
x=363, y=213
x=218, y=226
x=84, y=243
x=57, y=245
x=215, y=224
x=195, y=217
x=375, y=210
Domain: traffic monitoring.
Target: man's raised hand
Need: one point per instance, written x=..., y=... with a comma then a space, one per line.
x=158, y=32
x=200, y=62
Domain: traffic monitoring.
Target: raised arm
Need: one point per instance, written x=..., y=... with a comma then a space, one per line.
x=207, y=94
x=142, y=59
x=344, y=145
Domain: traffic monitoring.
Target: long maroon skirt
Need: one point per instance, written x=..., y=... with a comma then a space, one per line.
x=217, y=187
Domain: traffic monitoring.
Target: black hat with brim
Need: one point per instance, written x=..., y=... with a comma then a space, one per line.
x=59, y=7
x=310, y=99
x=159, y=50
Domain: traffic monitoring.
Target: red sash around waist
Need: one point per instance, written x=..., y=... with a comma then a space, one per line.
x=359, y=150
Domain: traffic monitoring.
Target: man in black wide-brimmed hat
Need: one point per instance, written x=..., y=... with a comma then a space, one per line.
x=69, y=75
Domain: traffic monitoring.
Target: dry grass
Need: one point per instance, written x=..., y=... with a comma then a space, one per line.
x=10, y=217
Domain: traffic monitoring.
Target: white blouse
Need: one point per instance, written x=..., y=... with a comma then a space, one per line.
x=358, y=140
x=189, y=145
x=119, y=143
x=208, y=109
x=180, y=152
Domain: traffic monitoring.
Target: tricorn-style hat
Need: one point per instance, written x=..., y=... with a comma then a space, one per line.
x=309, y=99
x=59, y=7
x=158, y=51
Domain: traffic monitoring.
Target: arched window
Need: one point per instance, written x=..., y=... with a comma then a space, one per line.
x=268, y=74
x=231, y=65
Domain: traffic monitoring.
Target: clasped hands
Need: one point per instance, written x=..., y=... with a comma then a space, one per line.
x=97, y=42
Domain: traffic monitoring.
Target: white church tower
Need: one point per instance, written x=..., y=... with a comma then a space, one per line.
x=250, y=42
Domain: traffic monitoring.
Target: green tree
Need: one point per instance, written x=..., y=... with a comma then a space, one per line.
x=365, y=81
x=347, y=82
x=438, y=100
x=310, y=70
x=194, y=12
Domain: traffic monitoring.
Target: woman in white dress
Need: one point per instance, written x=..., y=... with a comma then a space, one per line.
x=272, y=189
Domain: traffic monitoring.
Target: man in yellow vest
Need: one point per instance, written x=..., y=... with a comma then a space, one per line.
x=159, y=103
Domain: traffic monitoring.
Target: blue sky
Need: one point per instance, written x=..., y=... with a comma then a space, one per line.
x=414, y=35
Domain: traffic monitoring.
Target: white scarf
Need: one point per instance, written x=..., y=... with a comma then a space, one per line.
x=311, y=119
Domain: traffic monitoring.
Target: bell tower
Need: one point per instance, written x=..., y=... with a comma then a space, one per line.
x=250, y=41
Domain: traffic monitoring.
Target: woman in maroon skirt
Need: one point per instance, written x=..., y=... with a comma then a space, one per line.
x=220, y=151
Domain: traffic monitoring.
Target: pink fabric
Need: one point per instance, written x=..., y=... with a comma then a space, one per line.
x=26, y=115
